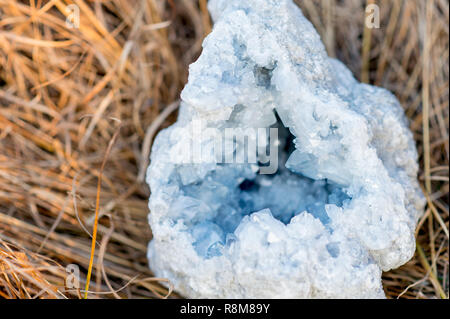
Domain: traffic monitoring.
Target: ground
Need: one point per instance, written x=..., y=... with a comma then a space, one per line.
x=70, y=88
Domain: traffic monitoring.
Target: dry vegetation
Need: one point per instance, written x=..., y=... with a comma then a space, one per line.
x=65, y=92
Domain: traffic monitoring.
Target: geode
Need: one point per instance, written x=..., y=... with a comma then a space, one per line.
x=338, y=206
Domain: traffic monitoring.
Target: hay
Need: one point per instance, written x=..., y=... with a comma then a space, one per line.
x=65, y=91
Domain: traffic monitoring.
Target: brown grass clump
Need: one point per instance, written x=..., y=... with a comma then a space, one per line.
x=65, y=92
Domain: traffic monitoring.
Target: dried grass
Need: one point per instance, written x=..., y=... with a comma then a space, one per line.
x=63, y=92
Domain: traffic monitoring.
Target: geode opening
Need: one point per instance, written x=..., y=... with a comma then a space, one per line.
x=285, y=193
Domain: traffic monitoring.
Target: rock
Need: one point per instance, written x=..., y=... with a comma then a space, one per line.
x=319, y=208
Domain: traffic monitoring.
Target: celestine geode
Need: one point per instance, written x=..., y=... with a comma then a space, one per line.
x=343, y=201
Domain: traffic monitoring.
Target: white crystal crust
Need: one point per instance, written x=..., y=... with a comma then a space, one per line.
x=340, y=210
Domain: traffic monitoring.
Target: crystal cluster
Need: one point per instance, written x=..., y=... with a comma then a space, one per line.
x=344, y=201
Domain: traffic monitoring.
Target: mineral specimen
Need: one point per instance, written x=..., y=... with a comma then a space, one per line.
x=338, y=206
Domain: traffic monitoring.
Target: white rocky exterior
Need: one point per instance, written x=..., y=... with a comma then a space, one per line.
x=343, y=207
